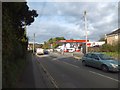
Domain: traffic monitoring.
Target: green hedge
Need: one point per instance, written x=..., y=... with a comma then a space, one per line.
x=14, y=40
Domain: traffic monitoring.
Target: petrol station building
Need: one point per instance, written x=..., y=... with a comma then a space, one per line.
x=78, y=45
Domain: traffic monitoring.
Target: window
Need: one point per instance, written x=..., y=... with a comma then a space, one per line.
x=105, y=57
x=94, y=56
x=88, y=55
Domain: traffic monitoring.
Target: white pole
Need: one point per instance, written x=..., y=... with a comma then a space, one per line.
x=86, y=30
x=33, y=43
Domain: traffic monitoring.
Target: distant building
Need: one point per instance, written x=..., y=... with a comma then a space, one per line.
x=37, y=45
x=95, y=44
x=112, y=38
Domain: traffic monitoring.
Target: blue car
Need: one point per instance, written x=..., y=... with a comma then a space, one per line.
x=101, y=61
x=46, y=52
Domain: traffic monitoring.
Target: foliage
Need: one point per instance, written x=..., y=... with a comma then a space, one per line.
x=112, y=54
x=15, y=16
x=112, y=50
x=45, y=45
x=71, y=39
x=109, y=48
x=53, y=42
x=40, y=46
x=102, y=39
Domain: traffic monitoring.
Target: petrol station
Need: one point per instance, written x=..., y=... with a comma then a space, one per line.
x=77, y=45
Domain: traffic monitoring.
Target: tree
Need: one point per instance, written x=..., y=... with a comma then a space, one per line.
x=15, y=16
x=41, y=45
x=71, y=39
x=102, y=39
x=53, y=41
x=50, y=41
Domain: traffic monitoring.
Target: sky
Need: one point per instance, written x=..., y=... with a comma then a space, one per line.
x=66, y=19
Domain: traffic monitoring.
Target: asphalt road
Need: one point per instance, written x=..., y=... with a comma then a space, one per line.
x=67, y=72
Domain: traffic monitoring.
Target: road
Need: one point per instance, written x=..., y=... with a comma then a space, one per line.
x=68, y=72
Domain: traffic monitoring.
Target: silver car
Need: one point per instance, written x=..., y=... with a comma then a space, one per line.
x=102, y=61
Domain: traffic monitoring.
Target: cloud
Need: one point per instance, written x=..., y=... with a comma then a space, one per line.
x=66, y=19
x=70, y=0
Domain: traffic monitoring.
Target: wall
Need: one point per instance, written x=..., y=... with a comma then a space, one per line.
x=112, y=39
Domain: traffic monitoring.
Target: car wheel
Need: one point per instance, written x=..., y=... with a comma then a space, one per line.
x=105, y=68
x=83, y=63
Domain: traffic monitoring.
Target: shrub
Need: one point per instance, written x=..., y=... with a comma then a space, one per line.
x=108, y=48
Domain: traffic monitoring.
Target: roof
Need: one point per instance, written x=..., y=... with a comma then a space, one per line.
x=115, y=32
x=73, y=41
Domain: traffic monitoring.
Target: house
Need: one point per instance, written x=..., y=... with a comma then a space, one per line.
x=112, y=38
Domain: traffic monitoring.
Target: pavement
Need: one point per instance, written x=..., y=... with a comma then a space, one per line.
x=78, y=55
x=34, y=76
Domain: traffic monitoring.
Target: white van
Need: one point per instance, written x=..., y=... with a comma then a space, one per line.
x=39, y=51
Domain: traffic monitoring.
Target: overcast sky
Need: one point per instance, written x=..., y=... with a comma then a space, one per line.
x=65, y=19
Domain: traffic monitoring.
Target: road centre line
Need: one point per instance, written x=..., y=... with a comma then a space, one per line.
x=66, y=63
x=71, y=64
x=55, y=58
x=104, y=76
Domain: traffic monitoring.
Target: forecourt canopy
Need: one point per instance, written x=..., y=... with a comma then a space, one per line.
x=73, y=41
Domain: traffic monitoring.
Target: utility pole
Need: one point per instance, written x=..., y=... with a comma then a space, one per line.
x=34, y=43
x=86, y=29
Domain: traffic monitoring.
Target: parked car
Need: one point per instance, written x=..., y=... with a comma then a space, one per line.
x=71, y=49
x=58, y=49
x=46, y=52
x=101, y=61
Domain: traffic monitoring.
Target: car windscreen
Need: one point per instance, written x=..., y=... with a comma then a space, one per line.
x=105, y=57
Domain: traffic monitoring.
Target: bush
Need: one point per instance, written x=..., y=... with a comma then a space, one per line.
x=108, y=48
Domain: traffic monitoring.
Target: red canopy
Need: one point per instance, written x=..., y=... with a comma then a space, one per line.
x=74, y=41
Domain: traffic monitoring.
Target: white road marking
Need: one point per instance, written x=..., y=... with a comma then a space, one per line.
x=71, y=64
x=104, y=76
x=42, y=55
x=54, y=59
x=52, y=79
